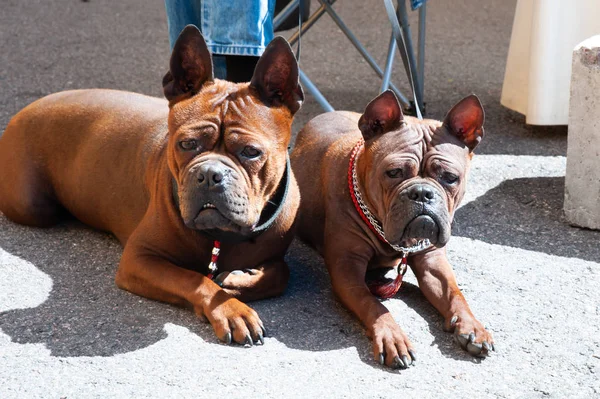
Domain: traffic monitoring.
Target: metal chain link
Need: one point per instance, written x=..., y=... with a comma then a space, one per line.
x=419, y=246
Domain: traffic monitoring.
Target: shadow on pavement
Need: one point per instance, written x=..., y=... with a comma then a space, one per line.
x=87, y=315
x=527, y=213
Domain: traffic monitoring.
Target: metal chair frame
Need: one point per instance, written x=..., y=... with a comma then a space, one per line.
x=416, y=63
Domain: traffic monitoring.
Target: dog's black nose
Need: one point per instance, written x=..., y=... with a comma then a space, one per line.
x=211, y=174
x=421, y=193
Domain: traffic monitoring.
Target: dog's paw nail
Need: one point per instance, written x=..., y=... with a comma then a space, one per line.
x=406, y=361
x=261, y=339
x=264, y=330
x=411, y=352
x=472, y=337
x=487, y=346
x=474, y=349
x=452, y=325
x=248, y=340
x=453, y=321
x=227, y=338
x=397, y=363
x=381, y=359
x=463, y=339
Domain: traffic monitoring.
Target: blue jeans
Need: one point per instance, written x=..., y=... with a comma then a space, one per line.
x=230, y=27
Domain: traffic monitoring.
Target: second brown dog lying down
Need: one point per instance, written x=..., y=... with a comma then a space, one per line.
x=381, y=192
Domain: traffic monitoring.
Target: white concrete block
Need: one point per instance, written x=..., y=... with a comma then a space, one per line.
x=582, y=182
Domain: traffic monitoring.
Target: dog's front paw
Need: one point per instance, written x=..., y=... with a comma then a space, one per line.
x=235, y=321
x=238, y=279
x=391, y=346
x=471, y=335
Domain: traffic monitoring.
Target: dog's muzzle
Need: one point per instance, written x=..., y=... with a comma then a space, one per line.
x=212, y=196
x=419, y=213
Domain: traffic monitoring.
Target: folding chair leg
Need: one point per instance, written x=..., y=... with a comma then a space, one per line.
x=336, y=18
x=307, y=25
x=421, y=54
x=285, y=13
x=403, y=19
x=414, y=71
x=312, y=89
x=389, y=63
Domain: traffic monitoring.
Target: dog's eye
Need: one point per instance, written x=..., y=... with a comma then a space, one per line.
x=251, y=152
x=188, y=145
x=394, y=173
x=449, y=178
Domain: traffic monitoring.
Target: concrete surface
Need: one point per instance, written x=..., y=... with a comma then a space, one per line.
x=582, y=181
x=67, y=331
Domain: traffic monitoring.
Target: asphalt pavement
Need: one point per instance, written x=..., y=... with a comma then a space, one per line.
x=66, y=330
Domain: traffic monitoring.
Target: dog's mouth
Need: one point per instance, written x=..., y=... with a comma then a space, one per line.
x=427, y=225
x=208, y=207
x=421, y=227
x=409, y=242
x=209, y=217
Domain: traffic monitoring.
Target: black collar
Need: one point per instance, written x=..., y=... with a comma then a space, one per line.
x=268, y=216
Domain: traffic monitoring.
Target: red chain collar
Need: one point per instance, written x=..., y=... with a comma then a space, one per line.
x=390, y=289
x=353, y=155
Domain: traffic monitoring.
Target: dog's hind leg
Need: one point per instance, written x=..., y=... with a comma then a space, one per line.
x=26, y=195
x=28, y=201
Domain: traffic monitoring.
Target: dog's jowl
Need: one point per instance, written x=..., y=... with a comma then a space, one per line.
x=379, y=196
x=198, y=188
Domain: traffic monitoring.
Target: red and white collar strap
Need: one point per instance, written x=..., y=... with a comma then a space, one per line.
x=364, y=212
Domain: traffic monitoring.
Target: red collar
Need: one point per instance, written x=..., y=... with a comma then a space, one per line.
x=359, y=145
x=386, y=290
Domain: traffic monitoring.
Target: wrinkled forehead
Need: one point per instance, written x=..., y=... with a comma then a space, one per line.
x=232, y=105
x=408, y=141
x=426, y=142
x=442, y=146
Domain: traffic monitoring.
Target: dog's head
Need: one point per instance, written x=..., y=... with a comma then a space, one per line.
x=414, y=172
x=228, y=142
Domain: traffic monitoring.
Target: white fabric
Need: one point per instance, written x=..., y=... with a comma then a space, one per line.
x=538, y=67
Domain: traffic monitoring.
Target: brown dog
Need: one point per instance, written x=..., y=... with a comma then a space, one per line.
x=171, y=180
x=381, y=190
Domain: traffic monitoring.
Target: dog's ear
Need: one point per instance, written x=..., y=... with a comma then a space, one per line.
x=190, y=66
x=465, y=121
x=381, y=115
x=276, y=76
